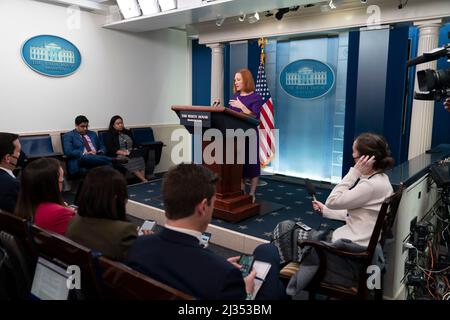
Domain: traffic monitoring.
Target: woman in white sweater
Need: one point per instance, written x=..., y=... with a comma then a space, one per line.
x=357, y=202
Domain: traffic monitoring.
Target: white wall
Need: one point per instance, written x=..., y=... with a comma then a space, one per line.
x=138, y=76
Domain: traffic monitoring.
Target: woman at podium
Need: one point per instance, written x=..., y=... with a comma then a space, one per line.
x=247, y=101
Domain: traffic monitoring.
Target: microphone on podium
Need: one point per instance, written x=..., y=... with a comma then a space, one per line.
x=216, y=103
x=311, y=189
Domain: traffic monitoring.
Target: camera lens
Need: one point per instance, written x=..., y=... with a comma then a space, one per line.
x=426, y=79
x=430, y=80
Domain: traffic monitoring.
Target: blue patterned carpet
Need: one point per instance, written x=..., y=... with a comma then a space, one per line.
x=294, y=197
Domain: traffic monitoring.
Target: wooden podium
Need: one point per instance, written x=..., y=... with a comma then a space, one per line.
x=231, y=204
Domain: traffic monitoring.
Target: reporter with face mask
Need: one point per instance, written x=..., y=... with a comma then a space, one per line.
x=9, y=185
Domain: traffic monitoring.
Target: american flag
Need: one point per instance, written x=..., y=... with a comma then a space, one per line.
x=267, y=123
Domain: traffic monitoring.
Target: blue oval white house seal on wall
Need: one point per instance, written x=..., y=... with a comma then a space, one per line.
x=51, y=55
x=307, y=79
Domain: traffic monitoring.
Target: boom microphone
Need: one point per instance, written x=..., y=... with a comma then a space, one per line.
x=311, y=189
x=429, y=56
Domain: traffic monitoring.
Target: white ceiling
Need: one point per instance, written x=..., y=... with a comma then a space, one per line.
x=205, y=12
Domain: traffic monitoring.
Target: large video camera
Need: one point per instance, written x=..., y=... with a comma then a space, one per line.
x=433, y=84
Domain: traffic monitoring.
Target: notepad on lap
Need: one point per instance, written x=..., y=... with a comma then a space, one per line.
x=262, y=269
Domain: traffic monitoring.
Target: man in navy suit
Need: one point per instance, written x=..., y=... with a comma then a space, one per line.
x=175, y=257
x=9, y=185
x=83, y=148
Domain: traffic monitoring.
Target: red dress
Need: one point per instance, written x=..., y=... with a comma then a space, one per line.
x=53, y=217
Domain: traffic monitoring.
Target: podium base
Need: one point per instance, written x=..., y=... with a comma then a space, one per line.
x=235, y=209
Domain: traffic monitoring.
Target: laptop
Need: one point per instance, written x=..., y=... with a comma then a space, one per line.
x=49, y=282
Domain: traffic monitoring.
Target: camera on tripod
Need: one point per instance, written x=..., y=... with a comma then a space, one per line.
x=433, y=84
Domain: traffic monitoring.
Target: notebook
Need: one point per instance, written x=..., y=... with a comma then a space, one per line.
x=262, y=269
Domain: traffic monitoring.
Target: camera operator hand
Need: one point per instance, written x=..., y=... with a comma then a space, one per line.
x=447, y=104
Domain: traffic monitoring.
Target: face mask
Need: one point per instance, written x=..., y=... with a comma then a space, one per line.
x=22, y=161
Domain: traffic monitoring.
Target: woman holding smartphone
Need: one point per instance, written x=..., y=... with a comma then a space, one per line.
x=101, y=223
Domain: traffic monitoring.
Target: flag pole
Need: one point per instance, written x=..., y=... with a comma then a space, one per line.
x=262, y=43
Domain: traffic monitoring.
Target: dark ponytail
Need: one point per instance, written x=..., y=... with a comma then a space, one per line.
x=370, y=144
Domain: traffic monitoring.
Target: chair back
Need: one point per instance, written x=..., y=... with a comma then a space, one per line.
x=385, y=221
x=18, y=270
x=123, y=283
x=18, y=227
x=61, y=134
x=381, y=231
x=19, y=256
x=36, y=145
x=62, y=250
x=102, y=135
x=143, y=136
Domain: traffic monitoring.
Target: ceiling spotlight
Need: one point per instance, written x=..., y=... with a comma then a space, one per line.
x=279, y=15
x=402, y=4
x=253, y=17
x=324, y=8
x=363, y=1
x=331, y=4
x=242, y=17
x=219, y=20
x=268, y=14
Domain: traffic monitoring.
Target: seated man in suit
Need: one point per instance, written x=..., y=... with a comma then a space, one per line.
x=175, y=257
x=9, y=185
x=82, y=146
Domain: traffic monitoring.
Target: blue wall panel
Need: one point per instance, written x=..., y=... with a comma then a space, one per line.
x=350, y=108
x=395, y=103
x=253, y=57
x=201, y=74
x=371, y=89
x=376, y=89
x=227, y=84
x=413, y=38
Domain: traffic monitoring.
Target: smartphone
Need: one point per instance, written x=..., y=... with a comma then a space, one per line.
x=303, y=226
x=147, y=225
x=246, y=262
x=205, y=239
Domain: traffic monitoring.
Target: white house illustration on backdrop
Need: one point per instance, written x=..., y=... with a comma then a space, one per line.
x=306, y=77
x=53, y=53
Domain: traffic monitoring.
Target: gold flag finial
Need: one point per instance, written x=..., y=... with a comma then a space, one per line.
x=262, y=43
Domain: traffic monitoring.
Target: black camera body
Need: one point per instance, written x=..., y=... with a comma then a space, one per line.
x=433, y=84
